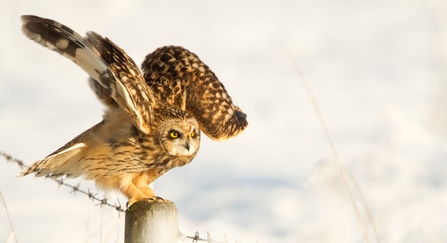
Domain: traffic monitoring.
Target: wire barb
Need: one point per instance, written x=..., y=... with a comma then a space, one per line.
x=9, y=158
x=196, y=238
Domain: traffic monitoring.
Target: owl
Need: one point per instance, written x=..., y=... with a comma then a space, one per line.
x=153, y=119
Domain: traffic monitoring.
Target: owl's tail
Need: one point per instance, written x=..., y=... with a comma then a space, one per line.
x=65, y=160
x=57, y=164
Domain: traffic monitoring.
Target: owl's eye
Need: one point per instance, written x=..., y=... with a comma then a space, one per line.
x=193, y=134
x=174, y=134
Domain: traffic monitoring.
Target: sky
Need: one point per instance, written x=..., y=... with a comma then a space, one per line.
x=376, y=70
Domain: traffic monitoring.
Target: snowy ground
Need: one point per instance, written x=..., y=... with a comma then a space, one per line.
x=376, y=69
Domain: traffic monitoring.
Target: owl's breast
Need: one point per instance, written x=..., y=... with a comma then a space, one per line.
x=151, y=154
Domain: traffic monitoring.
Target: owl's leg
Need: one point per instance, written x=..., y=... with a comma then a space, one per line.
x=138, y=189
x=133, y=193
x=148, y=192
x=141, y=183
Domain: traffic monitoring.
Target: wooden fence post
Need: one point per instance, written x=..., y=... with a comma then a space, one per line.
x=151, y=222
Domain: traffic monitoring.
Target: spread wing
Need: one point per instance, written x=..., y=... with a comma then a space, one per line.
x=113, y=75
x=178, y=77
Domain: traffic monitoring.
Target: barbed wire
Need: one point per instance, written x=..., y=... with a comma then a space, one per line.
x=74, y=189
x=104, y=201
x=196, y=238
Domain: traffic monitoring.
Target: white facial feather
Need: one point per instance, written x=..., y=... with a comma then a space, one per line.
x=179, y=147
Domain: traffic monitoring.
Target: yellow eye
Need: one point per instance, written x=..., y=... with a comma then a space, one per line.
x=193, y=134
x=173, y=134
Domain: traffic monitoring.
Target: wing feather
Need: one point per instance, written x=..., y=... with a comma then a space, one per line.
x=115, y=73
x=178, y=77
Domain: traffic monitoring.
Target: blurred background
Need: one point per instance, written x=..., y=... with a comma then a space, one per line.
x=377, y=70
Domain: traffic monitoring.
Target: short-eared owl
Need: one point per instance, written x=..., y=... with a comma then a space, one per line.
x=152, y=120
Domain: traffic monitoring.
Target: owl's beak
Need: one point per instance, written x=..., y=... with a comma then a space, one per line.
x=187, y=146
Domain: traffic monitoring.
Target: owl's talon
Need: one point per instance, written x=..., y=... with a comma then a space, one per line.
x=130, y=202
x=156, y=199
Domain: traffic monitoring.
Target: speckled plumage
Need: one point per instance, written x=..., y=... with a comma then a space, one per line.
x=153, y=120
x=180, y=78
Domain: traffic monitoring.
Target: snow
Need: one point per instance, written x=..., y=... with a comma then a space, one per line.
x=375, y=68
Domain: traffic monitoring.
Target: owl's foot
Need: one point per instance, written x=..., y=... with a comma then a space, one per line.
x=152, y=199
x=130, y=202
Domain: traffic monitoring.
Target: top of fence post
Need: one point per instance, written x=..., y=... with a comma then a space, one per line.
x=151, y=222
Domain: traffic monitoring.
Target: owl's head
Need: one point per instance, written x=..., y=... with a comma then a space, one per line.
x=180, y=137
